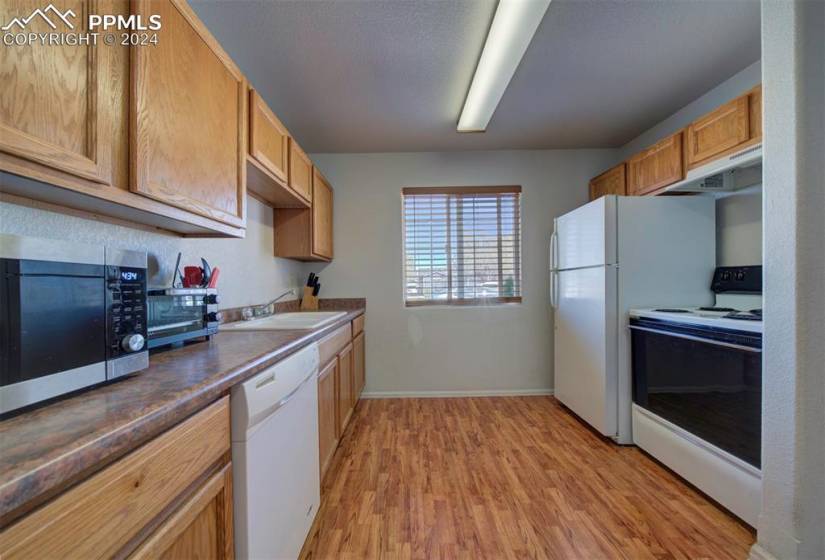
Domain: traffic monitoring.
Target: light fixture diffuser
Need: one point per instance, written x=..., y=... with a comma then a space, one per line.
x=514, y=25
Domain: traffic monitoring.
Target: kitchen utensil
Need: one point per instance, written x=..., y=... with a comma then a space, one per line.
x=316, y=289
x=177, y=271
x=213, y=278
x=192, y=277
x=207, y=273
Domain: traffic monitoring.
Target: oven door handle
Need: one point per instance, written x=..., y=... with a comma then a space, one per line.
x=698, y=339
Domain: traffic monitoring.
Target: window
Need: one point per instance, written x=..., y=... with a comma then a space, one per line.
x=462, y=245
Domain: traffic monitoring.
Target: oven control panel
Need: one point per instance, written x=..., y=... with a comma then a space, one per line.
x=738, y=279
x=126, y=310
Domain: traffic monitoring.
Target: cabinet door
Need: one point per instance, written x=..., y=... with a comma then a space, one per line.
x=322, y=202
x=268, y=138
x=200, y=528
x=345, y=400
x=656, y=167
x=188, y=118
x=327, y=433
x=300, y=170
x=718, y=131
x=118, y=503
x=359, y=371
x=611, y=181
x=755, y=103
x=63, y=106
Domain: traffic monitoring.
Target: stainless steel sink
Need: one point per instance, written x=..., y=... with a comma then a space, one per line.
x=286, y=321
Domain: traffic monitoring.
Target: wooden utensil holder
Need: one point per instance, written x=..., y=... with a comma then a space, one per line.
x=309, y=302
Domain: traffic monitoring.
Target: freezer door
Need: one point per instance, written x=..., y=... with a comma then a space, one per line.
x=586, y=236
x=585, y=352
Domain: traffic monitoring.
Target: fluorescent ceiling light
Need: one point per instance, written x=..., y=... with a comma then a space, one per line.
x=513, y=28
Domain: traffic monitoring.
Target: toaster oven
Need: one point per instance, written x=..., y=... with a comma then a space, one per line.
x=178, y=315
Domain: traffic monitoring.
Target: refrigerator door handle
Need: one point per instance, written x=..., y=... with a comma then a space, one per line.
x=553, y=289
x=553, y=253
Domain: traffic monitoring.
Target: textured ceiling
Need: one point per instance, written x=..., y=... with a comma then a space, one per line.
x=391, y=75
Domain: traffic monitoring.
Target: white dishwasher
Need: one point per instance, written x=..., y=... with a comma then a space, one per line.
x=275, y=458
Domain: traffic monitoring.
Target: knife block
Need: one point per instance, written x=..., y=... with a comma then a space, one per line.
x=309, y=302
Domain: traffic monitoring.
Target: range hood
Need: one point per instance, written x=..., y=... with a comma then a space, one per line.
x=733, y=172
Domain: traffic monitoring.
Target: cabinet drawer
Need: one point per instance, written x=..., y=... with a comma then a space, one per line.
x=96, y=518
x=329, y=346
x=357, y=325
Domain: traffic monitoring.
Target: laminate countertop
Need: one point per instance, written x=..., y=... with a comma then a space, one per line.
x=48, y=449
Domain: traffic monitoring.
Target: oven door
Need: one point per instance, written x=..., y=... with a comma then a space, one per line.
x=706, y=381
x=52, y=330
x=175, y=318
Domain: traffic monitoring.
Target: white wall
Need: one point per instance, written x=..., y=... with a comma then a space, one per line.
x=739, y=227
x=498, y=349
x=792, y=522
x=249, y=271
x=739, y=214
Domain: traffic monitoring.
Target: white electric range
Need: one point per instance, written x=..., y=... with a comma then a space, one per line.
x=697, y=389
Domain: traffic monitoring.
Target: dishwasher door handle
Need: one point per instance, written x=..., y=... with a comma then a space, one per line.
x=291, y=394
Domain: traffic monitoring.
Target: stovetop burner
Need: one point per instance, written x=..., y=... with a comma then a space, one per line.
x=675, y=310
x=719, y=309
x=745, y=315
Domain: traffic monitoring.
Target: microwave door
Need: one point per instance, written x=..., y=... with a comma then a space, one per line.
x=53, y=330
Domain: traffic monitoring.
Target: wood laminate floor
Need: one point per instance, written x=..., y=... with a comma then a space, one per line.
x=510, y=477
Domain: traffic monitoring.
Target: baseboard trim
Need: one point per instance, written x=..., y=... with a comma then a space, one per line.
x=455, y=394
x=758, y=552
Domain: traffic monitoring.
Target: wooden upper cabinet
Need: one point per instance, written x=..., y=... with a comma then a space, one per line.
x=188, y=118
x=612, y=181
x=300, y=171
x=719, y=131
x=755, y=103
x=268, y=138
x=656, y=167
x=322, y=203
x=271, y=160
x=64, y=107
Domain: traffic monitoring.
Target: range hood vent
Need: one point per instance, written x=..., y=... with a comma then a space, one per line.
x=732, y=172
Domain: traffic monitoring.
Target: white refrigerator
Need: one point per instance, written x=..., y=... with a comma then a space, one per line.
x=606, y=257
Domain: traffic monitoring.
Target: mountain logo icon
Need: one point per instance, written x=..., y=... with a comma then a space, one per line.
x=44, y=14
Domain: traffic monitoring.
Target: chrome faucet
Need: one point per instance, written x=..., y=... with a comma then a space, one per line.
x=255, y=311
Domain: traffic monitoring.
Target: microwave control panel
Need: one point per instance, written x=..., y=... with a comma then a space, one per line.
x=126, y=310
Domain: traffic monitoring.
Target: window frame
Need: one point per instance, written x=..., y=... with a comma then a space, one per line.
x=463, y=302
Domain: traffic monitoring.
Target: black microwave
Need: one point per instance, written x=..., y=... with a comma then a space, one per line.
x=71, y=316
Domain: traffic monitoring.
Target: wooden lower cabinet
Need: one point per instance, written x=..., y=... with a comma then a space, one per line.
x=346, y=400
x=358, y=365
x=327, y=417
x=201, y=528
x=152, y=502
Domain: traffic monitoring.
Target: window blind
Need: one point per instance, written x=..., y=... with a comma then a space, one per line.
x=462, y=245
